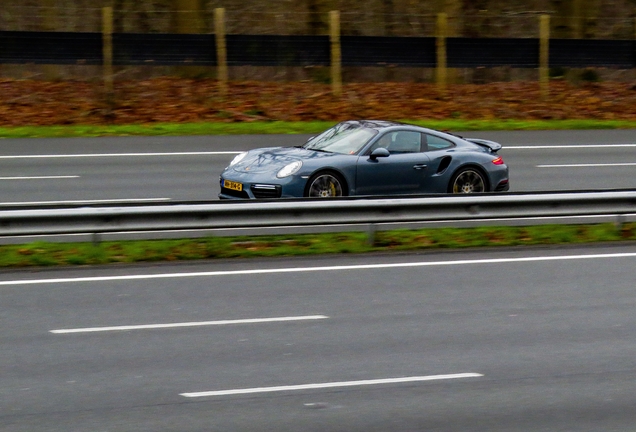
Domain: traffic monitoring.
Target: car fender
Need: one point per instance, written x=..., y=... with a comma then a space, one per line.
x=347, y=174
x=474, y=165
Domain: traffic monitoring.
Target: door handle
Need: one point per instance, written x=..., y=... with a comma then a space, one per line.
x=419, y=166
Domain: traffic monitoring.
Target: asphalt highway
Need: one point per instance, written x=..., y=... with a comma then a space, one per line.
x=515, y=339
x=510, y=340
x=187, y=168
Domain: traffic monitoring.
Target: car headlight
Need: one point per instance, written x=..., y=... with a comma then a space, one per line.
x=239, y=157
x=289, y=169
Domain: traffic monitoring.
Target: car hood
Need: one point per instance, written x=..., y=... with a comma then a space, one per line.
x=274, y=158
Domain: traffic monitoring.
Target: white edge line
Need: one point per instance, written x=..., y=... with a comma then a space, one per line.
x=189, y=324
x=102, y=155
x=315, y=269
x=85, y=201
x=331, y=385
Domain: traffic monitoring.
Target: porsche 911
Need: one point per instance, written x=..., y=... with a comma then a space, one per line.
x=368, y=157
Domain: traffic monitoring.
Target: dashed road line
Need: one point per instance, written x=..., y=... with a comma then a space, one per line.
x=41, y=177
x=189, y=324
x=116, y=155
x=331, y=385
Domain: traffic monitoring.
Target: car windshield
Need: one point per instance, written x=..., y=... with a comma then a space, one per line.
x=342, y=138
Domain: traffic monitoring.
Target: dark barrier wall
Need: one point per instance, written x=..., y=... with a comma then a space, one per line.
x=592, y=52
x=380, y=50
x=272, y=50
x=476, y=52
x=278, y=50
x=163, y=49
x=50, y=47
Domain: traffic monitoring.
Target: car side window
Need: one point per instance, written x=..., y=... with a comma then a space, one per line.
x=384, y=142
x=436, y=143
x=399, y=142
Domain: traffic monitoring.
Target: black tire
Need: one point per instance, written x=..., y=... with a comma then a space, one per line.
x=468, y=180
x=326, y=184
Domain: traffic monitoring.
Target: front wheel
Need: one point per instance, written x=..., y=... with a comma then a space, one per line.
x=468, y=180
x=325, y=185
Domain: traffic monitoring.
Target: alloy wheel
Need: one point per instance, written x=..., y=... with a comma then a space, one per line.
x=469, y=181
x=324, y=186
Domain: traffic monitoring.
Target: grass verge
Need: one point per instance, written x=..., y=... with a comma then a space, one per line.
x=279, y=127
x=52, y=254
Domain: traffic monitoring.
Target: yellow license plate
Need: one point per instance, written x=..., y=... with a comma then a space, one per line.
x=232, y=185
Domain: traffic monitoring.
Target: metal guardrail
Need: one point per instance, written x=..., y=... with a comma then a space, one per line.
x=303, y=213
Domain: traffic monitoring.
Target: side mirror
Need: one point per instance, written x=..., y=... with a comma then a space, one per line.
x=379, y=152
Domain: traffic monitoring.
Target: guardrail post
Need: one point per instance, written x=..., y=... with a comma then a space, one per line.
x=441, y=71
x=544, y=55
x=336, y=54
x=221, y=50
x=107, y=54
x=371, y=231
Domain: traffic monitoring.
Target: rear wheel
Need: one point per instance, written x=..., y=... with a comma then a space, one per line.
x=325, y=185
x=468, y=180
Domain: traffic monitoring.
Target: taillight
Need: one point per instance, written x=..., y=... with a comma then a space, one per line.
x=498, y=161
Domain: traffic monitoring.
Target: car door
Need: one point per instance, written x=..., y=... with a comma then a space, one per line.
x=403, y=171
x=440, y=152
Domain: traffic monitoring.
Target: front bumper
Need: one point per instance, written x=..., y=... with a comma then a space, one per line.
x=261, y=187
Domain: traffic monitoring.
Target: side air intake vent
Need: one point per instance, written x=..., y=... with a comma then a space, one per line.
x=444, y=164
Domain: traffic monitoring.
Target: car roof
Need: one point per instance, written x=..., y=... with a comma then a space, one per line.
x=384, y=124
x=375, y=124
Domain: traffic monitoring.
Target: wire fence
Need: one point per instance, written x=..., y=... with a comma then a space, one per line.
x=257, y=39
x=264, y=21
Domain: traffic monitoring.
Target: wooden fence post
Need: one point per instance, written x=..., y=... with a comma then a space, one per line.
x=336, y=54
x=107, y=62
x=441, y=71
x=544, y=55
x=221, y=50
x=50, y=23
x=577, y=19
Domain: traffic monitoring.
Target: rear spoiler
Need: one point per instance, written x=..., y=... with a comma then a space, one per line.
x=490, y=145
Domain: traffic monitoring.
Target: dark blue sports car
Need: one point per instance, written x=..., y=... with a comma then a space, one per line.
x=368, y=157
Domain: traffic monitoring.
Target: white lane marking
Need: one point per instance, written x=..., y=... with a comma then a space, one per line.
x=588, y=165
x=317, y=269
x=565, y=146
x=332, y=385
x=114, y=155
x=41, y=177
x=83, y=201
x=189, y=324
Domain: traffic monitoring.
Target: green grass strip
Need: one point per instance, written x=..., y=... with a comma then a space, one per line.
x=65, y=254
x=279, y=127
